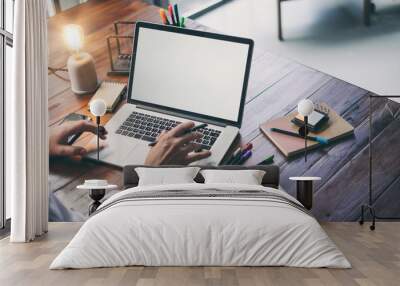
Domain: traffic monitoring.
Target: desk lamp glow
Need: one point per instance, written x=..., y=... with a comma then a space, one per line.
x=98, y=108
x=305, y=108
x=81, y=68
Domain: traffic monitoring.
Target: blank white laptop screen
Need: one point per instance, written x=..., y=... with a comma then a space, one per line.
x=190, y=73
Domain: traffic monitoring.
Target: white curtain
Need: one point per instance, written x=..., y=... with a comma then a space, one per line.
x=26, y=123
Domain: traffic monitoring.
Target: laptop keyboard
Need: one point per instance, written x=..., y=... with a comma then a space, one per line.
x=147, y=127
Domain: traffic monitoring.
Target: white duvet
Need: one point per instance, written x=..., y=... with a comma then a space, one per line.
x=188, y=231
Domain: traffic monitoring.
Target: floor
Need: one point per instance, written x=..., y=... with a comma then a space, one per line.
x=375, y=257
x=326, y=35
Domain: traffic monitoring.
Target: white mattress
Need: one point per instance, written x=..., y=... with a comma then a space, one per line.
x=190, y=231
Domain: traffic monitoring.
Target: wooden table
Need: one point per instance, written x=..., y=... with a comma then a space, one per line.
x=275, y=87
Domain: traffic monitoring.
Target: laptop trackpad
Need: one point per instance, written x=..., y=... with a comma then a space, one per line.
x=133, y=153
x=137, y=155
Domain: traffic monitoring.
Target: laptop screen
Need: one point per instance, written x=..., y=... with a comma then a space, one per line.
x=195, y=74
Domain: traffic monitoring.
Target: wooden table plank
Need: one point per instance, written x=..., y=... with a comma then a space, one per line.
x=387, y=201
x=279, y=98
x=344, y=193
x=266, y=71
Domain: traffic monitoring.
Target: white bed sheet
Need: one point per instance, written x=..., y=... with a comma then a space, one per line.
x=200, y=232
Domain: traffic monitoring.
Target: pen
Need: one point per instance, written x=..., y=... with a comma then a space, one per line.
x=171, y=14
x=182, y=22
x=177, y=15
x=244, y=157
x=198, y=127
x=318, y=139
x=163, y=16
x=267, y=161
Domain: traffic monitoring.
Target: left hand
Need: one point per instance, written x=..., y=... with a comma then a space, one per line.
x=59, y=136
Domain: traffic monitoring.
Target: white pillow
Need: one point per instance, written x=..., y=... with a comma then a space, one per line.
x=248, y=177
x=165, y=176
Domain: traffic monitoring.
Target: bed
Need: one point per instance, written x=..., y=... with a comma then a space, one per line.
x=201, y=224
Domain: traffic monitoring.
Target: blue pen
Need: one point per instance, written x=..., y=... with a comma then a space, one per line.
x=244, y=157
x=319, y=139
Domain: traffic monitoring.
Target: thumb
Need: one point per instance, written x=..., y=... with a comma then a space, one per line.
x=65, y=150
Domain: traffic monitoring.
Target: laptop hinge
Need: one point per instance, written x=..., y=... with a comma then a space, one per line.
x=208, y=121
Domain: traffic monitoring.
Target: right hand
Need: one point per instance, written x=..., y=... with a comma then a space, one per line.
x=174, y=147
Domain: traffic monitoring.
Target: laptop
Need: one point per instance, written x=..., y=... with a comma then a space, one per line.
x=179, y=75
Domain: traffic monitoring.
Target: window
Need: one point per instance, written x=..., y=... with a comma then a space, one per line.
x=6, y=43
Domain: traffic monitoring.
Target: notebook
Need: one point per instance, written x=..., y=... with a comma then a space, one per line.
x=337, y=128
x=111, y=93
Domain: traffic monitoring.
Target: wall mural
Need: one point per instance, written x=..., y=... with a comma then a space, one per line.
x=276, y=85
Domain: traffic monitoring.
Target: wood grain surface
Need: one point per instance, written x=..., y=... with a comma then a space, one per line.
x=375, y=259
x=275, y=87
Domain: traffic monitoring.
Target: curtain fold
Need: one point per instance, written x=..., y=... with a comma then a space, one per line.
x=26, y=123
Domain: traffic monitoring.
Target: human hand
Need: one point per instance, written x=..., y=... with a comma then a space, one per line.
x=59, y=136
x=174, y=147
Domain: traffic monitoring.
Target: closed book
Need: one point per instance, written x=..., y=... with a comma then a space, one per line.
x=336, y=128
x=111, y=93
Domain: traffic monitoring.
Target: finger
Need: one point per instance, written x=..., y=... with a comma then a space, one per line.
x=192, y=157
x=189, y=148
x=161, y=134
x=91, y=147
x=65, y=150
x=84, y=126
x=103, y=132
x=187, y=138
x=181, y=128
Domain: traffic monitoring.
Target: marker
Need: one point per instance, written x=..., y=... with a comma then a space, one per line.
x=183, y=22
x=267, y=161
x=177, y=15
x=318, y=139
x=169, y=18
x=163, y=16
x=244, y=157
x=198, y=127
x=246, y=147
x=234, y=155
x=171, y=14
